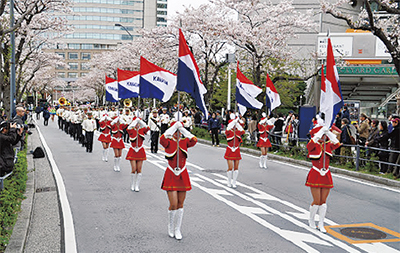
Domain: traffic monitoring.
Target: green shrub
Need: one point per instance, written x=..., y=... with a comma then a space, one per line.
x=11, y=197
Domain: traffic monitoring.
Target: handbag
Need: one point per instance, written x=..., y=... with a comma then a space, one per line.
x=352, y=139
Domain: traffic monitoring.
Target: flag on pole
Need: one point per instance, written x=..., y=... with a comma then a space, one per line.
x=155, y=82
x=189, y=75
x=273, y=99
x=331, y=100
x=111, y=90
x=128, y=83
x=246, y=93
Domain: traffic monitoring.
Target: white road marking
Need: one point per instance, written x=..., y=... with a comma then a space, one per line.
x=68, y=222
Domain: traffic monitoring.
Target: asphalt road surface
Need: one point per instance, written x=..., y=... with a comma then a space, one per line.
x=266, y=213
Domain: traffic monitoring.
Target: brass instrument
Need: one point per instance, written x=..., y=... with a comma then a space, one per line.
x=184, y=121
x=128, y=102
x=62, y=101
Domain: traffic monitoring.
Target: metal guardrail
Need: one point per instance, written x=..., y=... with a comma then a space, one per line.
x=2, y=181
x=357, y=149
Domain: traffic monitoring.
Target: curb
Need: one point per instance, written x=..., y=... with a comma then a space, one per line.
x=355, y=174
x=21, y=227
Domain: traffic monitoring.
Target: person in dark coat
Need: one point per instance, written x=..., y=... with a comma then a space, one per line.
x=38, y=110
x=9, y=136
x=383, y=139
x=371, y=142
x=345, y=139
x=46, y=116
x=346, y=113
x=394, y=137
x=214, y=126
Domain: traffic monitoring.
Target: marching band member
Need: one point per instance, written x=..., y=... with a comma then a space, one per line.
x=187, y=121
x=154, y=124
x=176, y=178
x=59, y=115
x=233, y=133
x=80, y=118
x=117, y=129
x=66, y=118
x=319, y=178
x=136, y=154
x=105, y=136
x=263, y=142
x=113, y=113
x=89, y=125
x=164, y=118
x=128, y=118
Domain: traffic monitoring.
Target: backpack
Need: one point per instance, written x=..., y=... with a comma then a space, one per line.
x=38, y=153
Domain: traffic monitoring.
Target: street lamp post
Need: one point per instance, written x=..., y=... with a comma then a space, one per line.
x=123, y=27
x=12, y=77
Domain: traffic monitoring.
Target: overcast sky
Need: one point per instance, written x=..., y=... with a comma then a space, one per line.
x=178, y=5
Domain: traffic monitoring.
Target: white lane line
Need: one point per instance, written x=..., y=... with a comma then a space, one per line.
x=297, y=239
x=69, y=230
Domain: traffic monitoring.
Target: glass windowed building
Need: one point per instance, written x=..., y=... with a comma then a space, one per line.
x=102, y=25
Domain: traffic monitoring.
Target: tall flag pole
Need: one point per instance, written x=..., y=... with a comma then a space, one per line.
x=189, y=75
x=272, y=97
x=331, y=100
x=246, y=93
x=111, y=90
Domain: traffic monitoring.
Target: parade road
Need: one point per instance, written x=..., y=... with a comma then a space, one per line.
x=267, y=212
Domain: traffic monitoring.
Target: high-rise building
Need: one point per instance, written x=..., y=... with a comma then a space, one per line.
x=102, y=25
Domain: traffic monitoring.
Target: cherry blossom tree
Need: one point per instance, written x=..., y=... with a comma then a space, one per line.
x=384, y=23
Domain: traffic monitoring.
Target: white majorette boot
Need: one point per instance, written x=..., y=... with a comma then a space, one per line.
x=311, y=220
x=106, y=154
x=178, y=223
x=229, y=175
x=133, y=181
x=118, y=162
x=265, y=161
x=322, y=213
x=171, y=219
x=261, y=163
x=138, y=178
x=115, y=163
x=235, y=175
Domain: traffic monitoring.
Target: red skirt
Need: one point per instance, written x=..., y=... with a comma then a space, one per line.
x=314, y=179
x=171, y=182
x=117, y=144
x=105, y=138
x=264, y=144
x=136, y=156
x=230, y=155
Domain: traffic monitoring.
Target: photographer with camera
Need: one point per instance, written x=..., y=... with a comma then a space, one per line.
x=10, y=135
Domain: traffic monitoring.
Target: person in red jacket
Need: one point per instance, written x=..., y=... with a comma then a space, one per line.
x=136, y=154
x=263, y=142
x=117, y=143
x=319, y=178
x=105, y=136
x=234, y=132
x=176, y=178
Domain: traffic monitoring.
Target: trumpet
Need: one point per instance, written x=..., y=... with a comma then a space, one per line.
x=62, y=101
x=128, y=102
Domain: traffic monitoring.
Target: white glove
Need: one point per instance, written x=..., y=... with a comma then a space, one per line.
x=232, y=124
x=134, y=123
x=83, y=132
x=318, y=135
x=170, y=131
x=332, y=137
x=186, y=133
x=239, y=127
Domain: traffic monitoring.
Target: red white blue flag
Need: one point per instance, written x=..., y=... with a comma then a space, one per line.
x=246, y=93
x=331, y=100
x=189, y=75
x=155, y=82
x=111, y=90
x=128, y=83
x=273, y=99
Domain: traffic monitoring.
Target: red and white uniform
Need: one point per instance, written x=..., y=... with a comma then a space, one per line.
x=105, y=128
x=320, y=152
x=136, y=136
x=176, y=179
x=117, y=130
x=234, y=139
x=264, y=129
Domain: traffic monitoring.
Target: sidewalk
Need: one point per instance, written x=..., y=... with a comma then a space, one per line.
x=38, y=228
